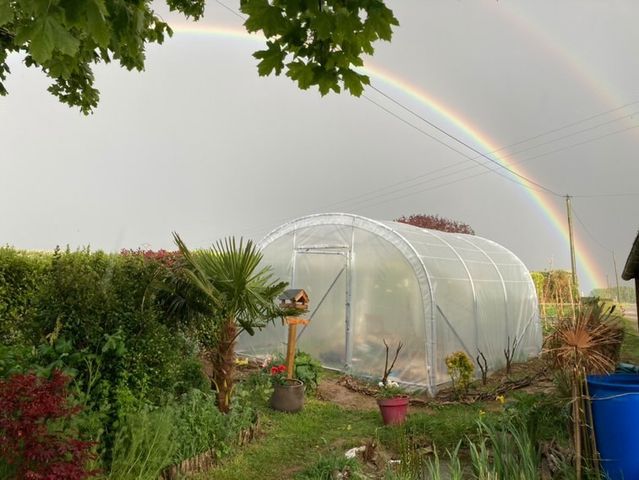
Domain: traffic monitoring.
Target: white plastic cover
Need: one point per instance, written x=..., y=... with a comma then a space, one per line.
x=368, y=280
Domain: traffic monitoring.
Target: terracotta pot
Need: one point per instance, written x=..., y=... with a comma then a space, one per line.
x=393, y=410
x=288, y=397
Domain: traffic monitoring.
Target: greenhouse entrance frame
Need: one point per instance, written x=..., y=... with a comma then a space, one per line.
x=340, y=251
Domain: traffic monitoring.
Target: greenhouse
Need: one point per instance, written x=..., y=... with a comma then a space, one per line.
x=370, y=280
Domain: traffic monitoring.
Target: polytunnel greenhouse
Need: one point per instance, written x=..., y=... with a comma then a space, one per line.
x=371, y=280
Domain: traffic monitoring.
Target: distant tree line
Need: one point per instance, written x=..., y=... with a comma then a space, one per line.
x=435, y=222
x=626, y=294
x=554, y=286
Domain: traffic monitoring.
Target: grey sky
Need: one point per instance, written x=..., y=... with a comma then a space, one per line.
x=200, y=144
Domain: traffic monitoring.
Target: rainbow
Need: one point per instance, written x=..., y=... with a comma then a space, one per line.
x=585, y=261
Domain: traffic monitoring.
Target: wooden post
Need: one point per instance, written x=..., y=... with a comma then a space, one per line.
x=292, y=323
x=290, y=350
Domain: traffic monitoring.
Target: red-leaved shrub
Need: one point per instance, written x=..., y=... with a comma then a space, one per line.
x=32, y=410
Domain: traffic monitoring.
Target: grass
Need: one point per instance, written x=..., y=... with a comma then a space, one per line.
x=443, y=427
x=630, y=346
x=294, y=442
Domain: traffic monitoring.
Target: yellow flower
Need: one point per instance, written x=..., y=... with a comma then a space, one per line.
x=501, y=399
x=482, y=413
x=241, y=361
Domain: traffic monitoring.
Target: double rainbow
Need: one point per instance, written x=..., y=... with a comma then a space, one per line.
x=585, y=261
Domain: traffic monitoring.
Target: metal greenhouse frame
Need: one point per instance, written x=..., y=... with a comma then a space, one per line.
x=370, y=280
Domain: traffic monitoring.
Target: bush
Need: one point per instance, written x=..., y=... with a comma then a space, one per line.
x=20, y=276
x=460, y=369
x=35, y=441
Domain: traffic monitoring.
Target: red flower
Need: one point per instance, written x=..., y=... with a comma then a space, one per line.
x=274, y=371
x=281, y=368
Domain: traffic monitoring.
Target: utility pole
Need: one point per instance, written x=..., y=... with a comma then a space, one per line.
x=572, y=244
x=614, y=262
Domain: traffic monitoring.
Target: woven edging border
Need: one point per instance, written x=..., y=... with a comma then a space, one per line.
x=206, y=460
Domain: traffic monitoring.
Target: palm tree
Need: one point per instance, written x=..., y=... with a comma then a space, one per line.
x=219, y=293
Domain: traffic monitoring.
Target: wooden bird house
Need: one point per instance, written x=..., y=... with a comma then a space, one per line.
x=296, y=298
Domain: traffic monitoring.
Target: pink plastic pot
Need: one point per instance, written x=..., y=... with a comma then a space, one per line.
x=393, y=410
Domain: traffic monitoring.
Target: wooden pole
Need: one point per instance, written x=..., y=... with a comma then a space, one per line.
x=573, y=263
x=292, y=322
x=614, y=262
x=290, y=350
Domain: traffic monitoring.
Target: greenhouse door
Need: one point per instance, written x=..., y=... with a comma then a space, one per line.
x=324, y=273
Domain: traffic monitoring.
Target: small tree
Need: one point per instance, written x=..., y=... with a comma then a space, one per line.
x=32, y=443
x=435, y=222
x=219, y=293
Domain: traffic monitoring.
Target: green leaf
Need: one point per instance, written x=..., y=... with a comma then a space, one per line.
x=47, y=35
x=6, y=12
x=272, y=59
x=354, y=82
x=41, y=47
x=96, y=22
x=263, y=16
x=327, y=81
x=301, y=73
x=380, y=20
x=63, y=40
x=323, y=24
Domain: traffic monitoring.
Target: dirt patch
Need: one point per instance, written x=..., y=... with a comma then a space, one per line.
x=530, y=377
x=331, y=390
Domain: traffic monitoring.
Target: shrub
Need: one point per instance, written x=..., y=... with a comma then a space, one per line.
x=20, y=276
x=461, y=370
x=34, y=443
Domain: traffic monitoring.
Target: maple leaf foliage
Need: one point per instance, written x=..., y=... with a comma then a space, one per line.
x=317, y=42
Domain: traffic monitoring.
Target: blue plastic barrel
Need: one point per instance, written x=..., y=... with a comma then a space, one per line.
x=615, y=411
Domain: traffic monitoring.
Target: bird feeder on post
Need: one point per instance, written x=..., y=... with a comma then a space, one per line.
x=293, y=299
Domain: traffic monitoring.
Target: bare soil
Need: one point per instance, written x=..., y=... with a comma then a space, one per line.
x=530, y=377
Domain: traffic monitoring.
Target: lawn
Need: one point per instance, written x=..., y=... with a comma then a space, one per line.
x=291, y=442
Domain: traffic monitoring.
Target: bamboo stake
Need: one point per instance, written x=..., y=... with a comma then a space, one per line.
x=591, y=431
x=575, y=425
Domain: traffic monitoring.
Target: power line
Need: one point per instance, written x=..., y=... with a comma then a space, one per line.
x=588, y=232
x=461, y=142
x=463, y=162
x=484, y=172
x=466, y=178
x=231, y=9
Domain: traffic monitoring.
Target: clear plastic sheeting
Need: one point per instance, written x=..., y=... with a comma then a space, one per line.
x=368, y=280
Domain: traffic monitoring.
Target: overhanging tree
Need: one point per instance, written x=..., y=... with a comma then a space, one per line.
x=316, y=42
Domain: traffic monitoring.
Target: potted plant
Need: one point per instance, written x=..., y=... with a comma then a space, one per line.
x=392, y=401
x=288, y=393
